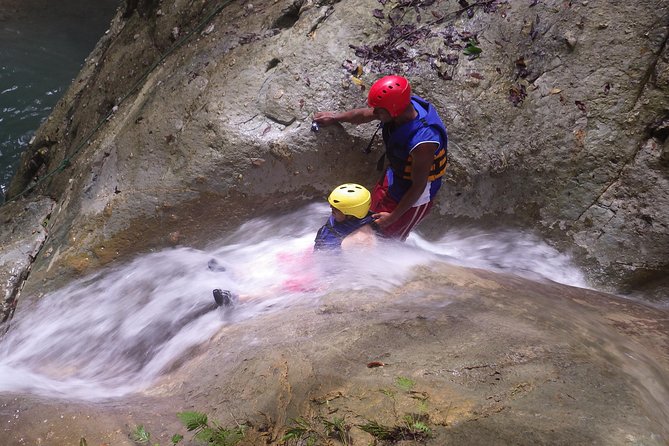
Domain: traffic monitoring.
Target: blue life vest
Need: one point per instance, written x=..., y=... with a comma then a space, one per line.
x=331, y=234
x=426, y=127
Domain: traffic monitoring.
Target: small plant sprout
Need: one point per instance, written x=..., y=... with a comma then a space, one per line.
x=301, y=431
x=304, y=432
x=337, y=429
x=204, y=431
x=211, y=433
x=416, y=425
x=404, y=383
x=471, y=49
x=193, y=421
x=140, y=435
x=413, y=427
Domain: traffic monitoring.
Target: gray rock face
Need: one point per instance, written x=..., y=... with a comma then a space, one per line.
x=557, y=113
x=22, y=233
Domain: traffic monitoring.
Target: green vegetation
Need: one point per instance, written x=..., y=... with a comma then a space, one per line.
x=404, y=383
x=471, y=49
x=140, y=435
x=320, y=431
x=413, y=427
x=410, y=426
x=204, y=431
x=317, y=431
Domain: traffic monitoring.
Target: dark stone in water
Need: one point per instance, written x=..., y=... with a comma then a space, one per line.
x=223, y=298
x=213, y=265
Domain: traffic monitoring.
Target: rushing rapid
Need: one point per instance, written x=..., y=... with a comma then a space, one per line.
x=116, y=331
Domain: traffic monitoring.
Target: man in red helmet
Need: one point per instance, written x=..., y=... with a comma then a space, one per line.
x=416, y=142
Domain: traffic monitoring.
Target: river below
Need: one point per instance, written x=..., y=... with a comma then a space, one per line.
x=43, y=45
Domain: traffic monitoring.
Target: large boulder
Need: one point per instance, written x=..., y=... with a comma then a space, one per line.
x=190, y=117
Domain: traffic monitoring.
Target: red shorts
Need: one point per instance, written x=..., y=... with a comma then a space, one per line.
x=382, y=202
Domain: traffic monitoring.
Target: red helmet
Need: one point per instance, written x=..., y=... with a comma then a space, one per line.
x=392, y=93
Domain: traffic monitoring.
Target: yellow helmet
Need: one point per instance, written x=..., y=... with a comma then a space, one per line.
x=351, y=199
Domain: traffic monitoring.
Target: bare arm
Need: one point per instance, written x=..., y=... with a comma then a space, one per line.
x=363, y=237
x=354, y=116
x=422, y=159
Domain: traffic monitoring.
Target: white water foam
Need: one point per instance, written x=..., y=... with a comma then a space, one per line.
x=115, y=332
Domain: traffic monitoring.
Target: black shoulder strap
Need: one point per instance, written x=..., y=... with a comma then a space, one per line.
x=369, y=146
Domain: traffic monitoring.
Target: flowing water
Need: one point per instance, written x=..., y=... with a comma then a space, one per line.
x=116, y=331
x=43, y=44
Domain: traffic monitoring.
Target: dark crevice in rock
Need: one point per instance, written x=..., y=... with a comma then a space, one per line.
x=33, y=161
x=143, y=7
x=272, y=64
x=602, y=229
x=659, y=128
x=285, y=122
x=289, y=16
x=648, y=75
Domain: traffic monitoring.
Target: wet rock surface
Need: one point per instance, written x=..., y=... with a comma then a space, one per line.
x=480, y=357
x=22, y=231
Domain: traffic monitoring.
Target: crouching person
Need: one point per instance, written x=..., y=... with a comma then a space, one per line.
x=350, y=224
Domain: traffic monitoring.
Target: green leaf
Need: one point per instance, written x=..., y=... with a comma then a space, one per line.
x=472, y=49
x=298, y=431
x=419, y=426
x=176, y=438
x=293, y=434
